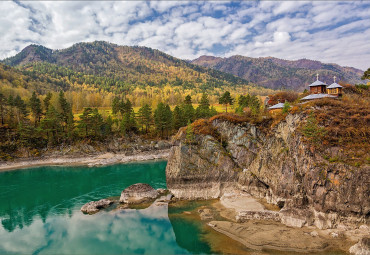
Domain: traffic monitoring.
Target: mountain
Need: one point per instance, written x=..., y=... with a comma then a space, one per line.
x=279, y=73
x=125, y=66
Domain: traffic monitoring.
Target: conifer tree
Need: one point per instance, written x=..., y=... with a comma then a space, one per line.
x=145, y=117
x=66, y=115
x=148, y=116
x=178, y=118
x=3, y=104
x=21, y=107
x=203, y=110
x=188, y=110
x=163, y=118
x=10, y=102
x=51, y=124
x=86, y=121
x=35, y=105
x=47, y=101
x=226, y=99
x=115, y=105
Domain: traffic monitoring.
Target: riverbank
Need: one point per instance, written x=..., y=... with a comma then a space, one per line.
x=85, y=160
x=265, y=232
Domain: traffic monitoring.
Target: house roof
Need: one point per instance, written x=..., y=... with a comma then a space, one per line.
x=317, y=83
x=334, y=85
x=316, y=96
x=277, y=106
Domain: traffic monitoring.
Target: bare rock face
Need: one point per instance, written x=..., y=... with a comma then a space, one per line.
x=362, y=247
x=138, y=193
x=275, y=165
x=95, y=206
x=257, y=215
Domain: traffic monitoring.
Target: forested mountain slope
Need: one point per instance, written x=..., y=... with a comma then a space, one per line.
x=125, y=66
x=278, y=73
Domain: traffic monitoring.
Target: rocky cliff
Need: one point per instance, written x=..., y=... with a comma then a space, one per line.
x=275, y=164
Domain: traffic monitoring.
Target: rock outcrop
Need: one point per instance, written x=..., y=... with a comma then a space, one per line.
x=95, y=206
x=276, y=165
x=138, y=193
x=362, y=247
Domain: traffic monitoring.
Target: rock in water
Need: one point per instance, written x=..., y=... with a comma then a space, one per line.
x=95, y=206
x=138, y=193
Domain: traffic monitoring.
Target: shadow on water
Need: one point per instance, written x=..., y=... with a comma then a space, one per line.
x=56, y=190
x=187, y=228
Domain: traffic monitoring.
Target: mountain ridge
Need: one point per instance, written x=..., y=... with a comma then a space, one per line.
x=134, y=65
x=140, y=65
x=275, y=73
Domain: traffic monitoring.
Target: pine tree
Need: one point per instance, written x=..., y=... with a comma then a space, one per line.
x=11, y=110
x=51, y=124
x=115, y=105
x=188, y=110
x=66, y=115
x=226, y=99
x=187, y=100
x=3, y=104
x=97, y=122
x=21, y=109
x=148, y=117
x=47, y=101
x=178, y=118
x=163, y=118
x=86, y=121
x=203, y=110
x=35, y=105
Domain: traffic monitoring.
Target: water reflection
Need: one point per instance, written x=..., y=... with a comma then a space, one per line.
x=117, y=232
x=49, y=191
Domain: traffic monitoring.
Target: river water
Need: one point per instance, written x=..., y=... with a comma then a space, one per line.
x=40, y=213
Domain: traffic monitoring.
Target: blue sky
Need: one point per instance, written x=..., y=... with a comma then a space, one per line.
x=332, y=31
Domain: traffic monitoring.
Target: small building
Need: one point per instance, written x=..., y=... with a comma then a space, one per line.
x=335, y=89
x=276, y=108
x=318, y=87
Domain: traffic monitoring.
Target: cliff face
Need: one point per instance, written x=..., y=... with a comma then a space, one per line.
x=277, y=166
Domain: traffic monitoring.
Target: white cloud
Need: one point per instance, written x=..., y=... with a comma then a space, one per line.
x=327, y=31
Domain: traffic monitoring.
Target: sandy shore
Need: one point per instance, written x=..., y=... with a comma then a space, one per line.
x=96, y=160
x=269, y=234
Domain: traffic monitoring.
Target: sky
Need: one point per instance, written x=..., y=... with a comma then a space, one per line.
x=328, y=31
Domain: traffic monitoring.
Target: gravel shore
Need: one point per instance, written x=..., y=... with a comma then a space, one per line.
x=95, y=160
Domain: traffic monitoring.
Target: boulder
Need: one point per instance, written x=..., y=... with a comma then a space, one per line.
x=138, y=193
x=205, y=214
x=362, y=247
x=95, y=206
x=161, y=191
x=161, y=145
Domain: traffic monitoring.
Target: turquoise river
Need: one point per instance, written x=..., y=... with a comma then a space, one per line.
x=40, y=213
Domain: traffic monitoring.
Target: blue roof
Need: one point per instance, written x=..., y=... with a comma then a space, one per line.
x=316, y=96
x=277, y=106
x=317, y=83
x=334, y=85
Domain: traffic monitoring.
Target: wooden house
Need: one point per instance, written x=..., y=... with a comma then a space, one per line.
x=318, y=87
x=335, y=89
